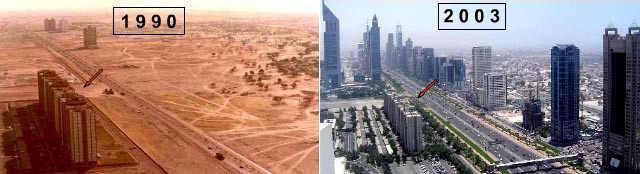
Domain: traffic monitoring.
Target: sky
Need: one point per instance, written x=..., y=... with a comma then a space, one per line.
x=275, y=6
x=530, y=25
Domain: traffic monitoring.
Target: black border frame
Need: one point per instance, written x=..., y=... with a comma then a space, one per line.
x=113, y=22
x=505, y=17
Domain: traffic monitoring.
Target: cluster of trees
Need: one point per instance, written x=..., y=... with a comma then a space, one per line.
x=294, y=66
x=368, y=91
x=434, y=131
x=386, y=132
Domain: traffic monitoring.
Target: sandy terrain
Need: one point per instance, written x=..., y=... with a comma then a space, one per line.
x=215, y=78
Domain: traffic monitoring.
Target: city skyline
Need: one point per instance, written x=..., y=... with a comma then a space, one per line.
x=525, y=22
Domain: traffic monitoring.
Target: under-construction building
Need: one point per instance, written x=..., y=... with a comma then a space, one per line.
x=72, y=117
x=532, y=114
x=49, y=25
x=90, y=37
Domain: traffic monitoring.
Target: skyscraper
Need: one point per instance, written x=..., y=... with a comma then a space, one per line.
x=565, y=94
x=480, y=65
x=332, y=70
x=390, y=52
x=426, y=64
x=408, y=55
x=417, y=61
x=458, y=72
x=402, y=61
x=439, y=71
x=620, y=145
x=361, y=52
x=366, y=63
x=374, y=45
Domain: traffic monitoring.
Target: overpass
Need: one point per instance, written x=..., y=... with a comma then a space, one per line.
x=536, y=162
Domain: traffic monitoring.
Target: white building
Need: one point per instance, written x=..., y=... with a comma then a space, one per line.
x=480, y=65
x=495, y=91
x=327, y=158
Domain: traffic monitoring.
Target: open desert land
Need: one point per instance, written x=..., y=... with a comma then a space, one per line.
x=249, y=81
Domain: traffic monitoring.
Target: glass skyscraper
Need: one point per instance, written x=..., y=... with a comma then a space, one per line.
x=565, y=94
x=374, y=41
x=331, y=69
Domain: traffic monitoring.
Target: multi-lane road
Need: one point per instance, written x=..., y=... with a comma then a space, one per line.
x=496, y=144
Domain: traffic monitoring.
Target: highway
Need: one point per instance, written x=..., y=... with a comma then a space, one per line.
x=494, y=143
x=188, y=132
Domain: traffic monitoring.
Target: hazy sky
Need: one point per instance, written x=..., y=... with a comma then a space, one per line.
x=537, y=25
x=279, y=6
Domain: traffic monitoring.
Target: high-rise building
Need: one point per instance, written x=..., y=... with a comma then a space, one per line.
x=90, y=37
x=78, y=124
x=440, y=71
x=50, y=25
x=366, y=62
x=458, y=72
x=402, y=61
x=42, y=76
x=413, y=131
x=72, y=118
x=390, y=52
x=361, y=56
x=480, y=65
x=374, y=45
x=332, y=70
x=426, y=64
x=565, y=94
x=408, y=56
x=620, y=145
x=63, y=25
x=532, y=115
x=417, y=61
x=495, y=90
x=326, y=158
x=404, y=120
x=430, y=67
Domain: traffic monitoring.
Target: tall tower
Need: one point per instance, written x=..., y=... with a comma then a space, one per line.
x=565, y=94
x=427, y=64
x=480, y=65
x=332, y=67
x=402, y=61
x=620, y=145
x=390, y=51
x=407, y=56
x=374, y=38
x=366, y=62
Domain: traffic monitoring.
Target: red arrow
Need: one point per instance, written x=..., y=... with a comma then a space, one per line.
x=424, y=91
x=87, y=83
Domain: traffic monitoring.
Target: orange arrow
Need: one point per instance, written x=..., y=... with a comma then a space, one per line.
x=424, y=91
x=87, y=83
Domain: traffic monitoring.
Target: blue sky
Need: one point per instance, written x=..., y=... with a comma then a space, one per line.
x=535, y=25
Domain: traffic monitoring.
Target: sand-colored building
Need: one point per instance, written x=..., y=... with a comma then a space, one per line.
x=90, y=37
